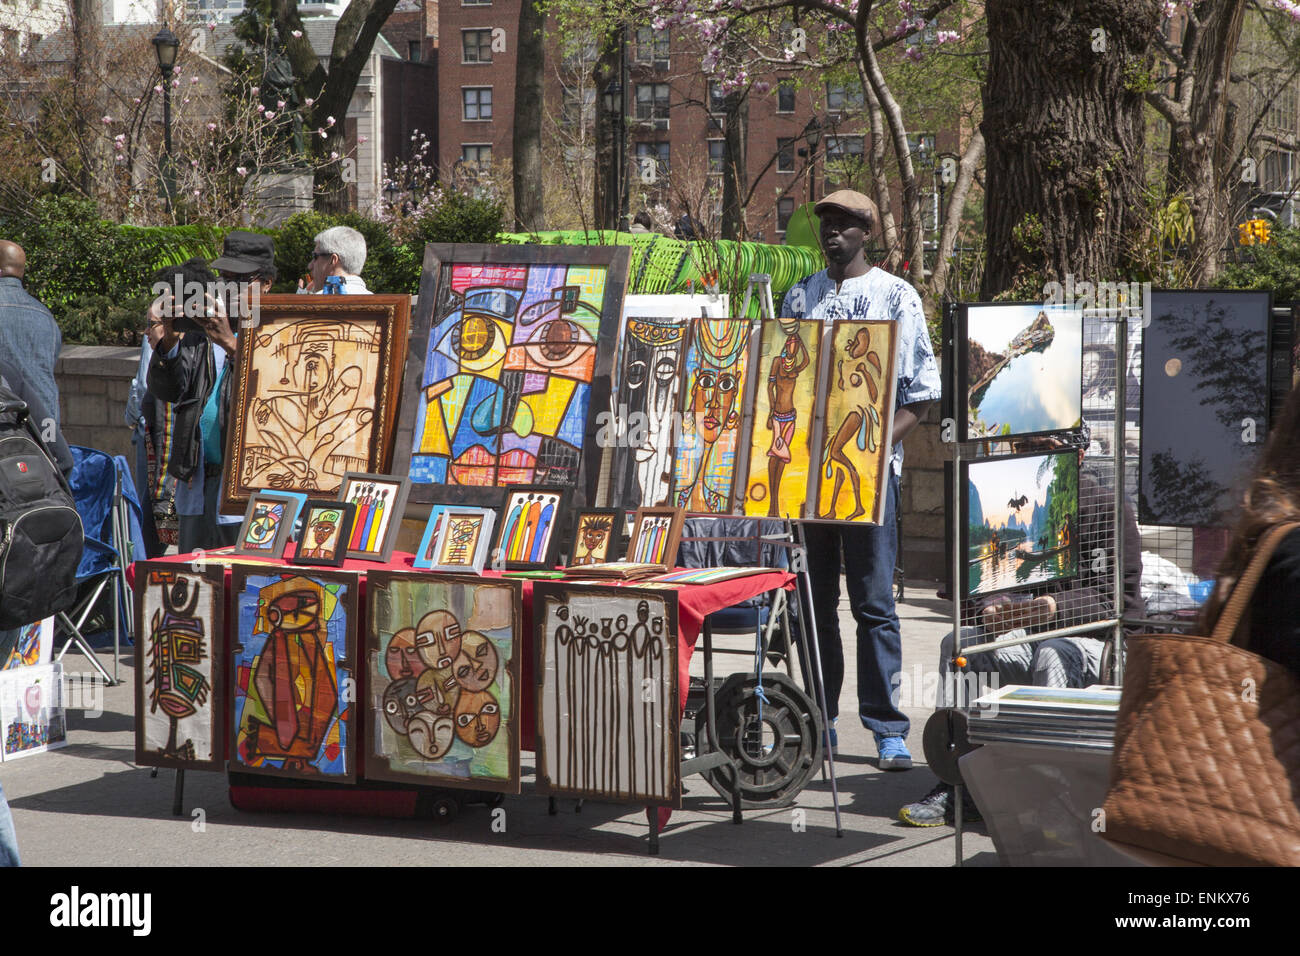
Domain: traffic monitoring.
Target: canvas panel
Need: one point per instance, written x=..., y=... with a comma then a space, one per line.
x=649, y=378
x=31, y=710
x=35, y=645
x=713, y=387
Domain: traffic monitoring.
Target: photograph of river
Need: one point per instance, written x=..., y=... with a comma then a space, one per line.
x=1022, y=372
x=1022, y=519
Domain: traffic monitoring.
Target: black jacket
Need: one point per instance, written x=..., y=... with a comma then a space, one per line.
x=186, y=382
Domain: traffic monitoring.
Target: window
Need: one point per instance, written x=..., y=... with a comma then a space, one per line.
x=844, y=97
x=478, y=154
x=921, y=146
x=784, y=210
x=476, y=46
x=413, y=50
x=785, y=96
x=476, y=102
x=784, y=155
x=652, y=104
x=1277, y=171
x=579, y=58
x=717, y=98
x=1282, y=111
x=651, y=161
x=652, y=47
x=578, y=112
x=717, y=156
x=843, y=158
x=476, y=3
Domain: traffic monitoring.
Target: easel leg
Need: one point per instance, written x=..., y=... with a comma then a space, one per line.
x=178, y=794
x=652, y=815
x=551, y=807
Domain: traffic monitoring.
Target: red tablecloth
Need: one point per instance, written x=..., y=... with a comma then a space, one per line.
x=694, y=603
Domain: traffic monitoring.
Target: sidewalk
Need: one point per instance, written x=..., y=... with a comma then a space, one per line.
x=89, y=805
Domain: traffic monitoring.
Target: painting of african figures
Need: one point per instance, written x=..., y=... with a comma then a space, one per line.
x=714, y=384
x=316, y=395
x=648, y=380
x=858, y=420
x=510, y=346
x=180, y=663
x=295, y=640
x=444, y=680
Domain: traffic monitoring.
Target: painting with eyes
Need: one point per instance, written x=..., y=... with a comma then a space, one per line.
x=443, y=692
x=595, y=532
x=512, y=352
x=607, y=708
x=649, y=377
x=316, y=394
x=711, y=403
x=295, y=642
x=268, y=525
x=326, y=526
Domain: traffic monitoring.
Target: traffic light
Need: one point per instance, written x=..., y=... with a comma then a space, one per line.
x=1252, y=231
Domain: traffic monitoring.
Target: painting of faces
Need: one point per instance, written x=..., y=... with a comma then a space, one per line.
x=528, y=525
x=859, y=406
x=295, y=641
x=780, y=469
x=608, y=710
x=648, y=383
x=31, y=710
x=711, y=405
x=594, y=533
x=443, y=680
x=180, y=666
x=326, y=526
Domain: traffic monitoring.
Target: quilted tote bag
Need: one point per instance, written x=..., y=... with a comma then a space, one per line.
x=1206, y=766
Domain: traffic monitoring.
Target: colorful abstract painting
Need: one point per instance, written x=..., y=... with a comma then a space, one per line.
x=529, y=523
x=180, y=666
x=595, y=532
x=31, y=710
x=316, y=394
x=656, y=533
x=268, y=525
x=713, y=386
x=294, y=647
x=326, y=527
x=779, y=467
x=503, y=364
x=608, y=709
x=649, y=377
x=464, y=539
x=34, y=645
x=380, y=502
x=444, y=680
x=858, y=417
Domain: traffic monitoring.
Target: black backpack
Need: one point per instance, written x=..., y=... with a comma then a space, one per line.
x=40, y=530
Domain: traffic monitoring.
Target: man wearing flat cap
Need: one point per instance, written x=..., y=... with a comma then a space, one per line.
x=849, y=288
x=193, y=370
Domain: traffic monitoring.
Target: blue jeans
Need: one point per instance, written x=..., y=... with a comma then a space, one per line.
x=8, y=839
x=869, y=555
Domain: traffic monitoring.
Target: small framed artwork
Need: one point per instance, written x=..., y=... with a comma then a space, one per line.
x=596, y=533
x=464, y=536
x=380, y=501
x=268, y=525
x=324, y=535
x=656, y=532
x=429, y=540
x=526, y=538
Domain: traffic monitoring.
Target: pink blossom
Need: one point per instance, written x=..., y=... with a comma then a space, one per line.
x=279, y=104
x=176, y=84
x=270, y=114
x=361, y=139
x=107, y=120
x=255, y=90
x=323, y=134
x=186, y=100
x=947, y=36
x=261, y=108
x=194, y=163
x=241, y=170
x=333, y=156
x=329, y=121
x=308, y=101
x=212, y=127
x=914, y=54
x=158, y=88
x=295, y=34
x=212, y=26
x=193, y=80
x=176, y=71
x=137, y=99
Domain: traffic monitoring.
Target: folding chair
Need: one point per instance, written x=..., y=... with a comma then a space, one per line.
x=104, y=494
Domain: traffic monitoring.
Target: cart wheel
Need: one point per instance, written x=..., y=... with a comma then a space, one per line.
x=945, y=741
x=445, y=809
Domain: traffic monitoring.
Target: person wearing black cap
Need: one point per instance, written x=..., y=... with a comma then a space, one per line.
x=193, y=371
x=849, y=288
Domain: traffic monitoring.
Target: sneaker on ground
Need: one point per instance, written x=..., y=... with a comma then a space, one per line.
x=931, y=810
x=893, y=753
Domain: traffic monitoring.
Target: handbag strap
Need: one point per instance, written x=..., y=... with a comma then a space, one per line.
x=1226, y=627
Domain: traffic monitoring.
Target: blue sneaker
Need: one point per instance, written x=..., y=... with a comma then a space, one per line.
x=893, y=753
x=834, y=740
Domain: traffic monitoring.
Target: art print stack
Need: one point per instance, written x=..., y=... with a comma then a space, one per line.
x=31, y=703
x=1081, y=718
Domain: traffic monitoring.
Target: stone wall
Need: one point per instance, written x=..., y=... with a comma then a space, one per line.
x=94, y=382
x=922, y=501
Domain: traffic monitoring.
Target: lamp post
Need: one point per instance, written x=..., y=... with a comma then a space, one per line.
x=613, y=102
x=812, y=134
x=165, y=45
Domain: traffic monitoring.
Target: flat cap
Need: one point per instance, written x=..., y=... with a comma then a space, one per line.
x=851, y=202
x=246, y=252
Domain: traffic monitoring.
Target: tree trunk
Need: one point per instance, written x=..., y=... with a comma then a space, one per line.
x=735, y=168
x=880, y=180
x=526, y=150
x=937, y=282
x=1063, y=125
x=604, y=198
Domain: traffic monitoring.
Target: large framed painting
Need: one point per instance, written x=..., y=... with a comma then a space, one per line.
x=32, y=715
x=857, y=419
x=380, y=502
x=528, y=532
x=608, y=711
x=1205, y=404
x=33, y=645
x=294, y=682
x=645, y=400
x=711, y=404
x=319, y=380
x=1019, y=369
x=180, y=666
x=1021, y=524
x=778, y=466
x=511, y=355
x=443, y=688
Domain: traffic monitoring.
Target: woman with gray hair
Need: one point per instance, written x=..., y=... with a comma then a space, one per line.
x=337, y=259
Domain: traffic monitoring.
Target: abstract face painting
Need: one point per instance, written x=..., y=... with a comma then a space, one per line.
x=295, y=643
x=268, y=525
x=594, y=533
x=527, y=536
x=779, y=451
x=714, y=370
x=463, y=539
x=179, y=666
x=326, y=526
x=450, y=709
x=649, y=379
x=859, y=409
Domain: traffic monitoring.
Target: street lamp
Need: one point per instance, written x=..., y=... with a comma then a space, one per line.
x=812, y=134
x=612, y=99
x=165, y=45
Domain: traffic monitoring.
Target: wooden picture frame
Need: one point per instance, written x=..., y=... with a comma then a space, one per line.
x=255, y=528
x=537, y=534
x=463, y=541
x=314, y=551
x=584, y=546
x=580, y=751
x=654, y=541
x=384, y=518
x=506, y=299
x=183, y=634
x=291, y=615
x=340, y=353
x=414, y=715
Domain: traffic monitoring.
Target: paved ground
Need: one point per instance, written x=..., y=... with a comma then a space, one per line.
x=89, y=805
